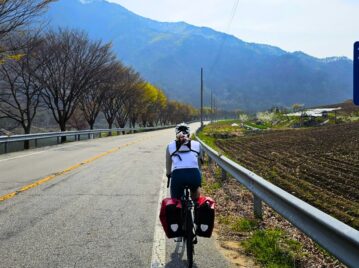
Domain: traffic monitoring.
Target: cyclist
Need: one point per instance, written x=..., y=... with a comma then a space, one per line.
x=183, y=159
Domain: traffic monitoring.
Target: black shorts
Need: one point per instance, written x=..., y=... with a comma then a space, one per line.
x=186, y=176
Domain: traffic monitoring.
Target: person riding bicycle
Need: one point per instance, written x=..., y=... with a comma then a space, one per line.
x=183, y=160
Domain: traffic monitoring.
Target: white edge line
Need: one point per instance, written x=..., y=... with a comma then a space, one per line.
x=43, y=149
x=159, y=239
x=20, y=156
x=40, y=151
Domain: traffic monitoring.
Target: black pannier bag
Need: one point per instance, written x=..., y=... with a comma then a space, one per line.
x=204, y=216
x=170, y=217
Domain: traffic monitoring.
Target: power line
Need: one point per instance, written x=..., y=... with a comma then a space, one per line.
x=233, y=14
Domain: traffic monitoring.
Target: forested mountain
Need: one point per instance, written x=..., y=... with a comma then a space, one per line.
x=242, y=75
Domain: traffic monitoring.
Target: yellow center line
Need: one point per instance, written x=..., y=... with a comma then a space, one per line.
x=57, y=174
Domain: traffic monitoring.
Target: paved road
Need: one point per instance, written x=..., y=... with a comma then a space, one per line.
x=89, y=204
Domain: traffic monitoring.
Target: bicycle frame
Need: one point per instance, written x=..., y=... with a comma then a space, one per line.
x=188, y=224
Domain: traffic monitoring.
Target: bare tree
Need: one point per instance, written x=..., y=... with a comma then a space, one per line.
x=71, y=65
x=91, y=102
x=111, y=94
x=14, y=14
x=127, y=93
x=19, y=90
x=77, y=120
x=109, y=106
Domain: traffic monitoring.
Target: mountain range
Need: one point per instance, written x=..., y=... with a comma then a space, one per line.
x=242, y=75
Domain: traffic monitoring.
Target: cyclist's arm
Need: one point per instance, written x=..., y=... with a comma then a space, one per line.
x=168, y=162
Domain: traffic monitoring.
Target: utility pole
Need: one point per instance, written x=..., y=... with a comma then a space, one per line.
x=356, y=73
x=211, y=105
x=214, y=108
x=201, y=97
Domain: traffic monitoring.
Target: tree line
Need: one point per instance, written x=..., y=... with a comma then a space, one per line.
x=75, y=79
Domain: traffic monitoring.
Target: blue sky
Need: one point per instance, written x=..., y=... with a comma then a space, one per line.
x=320, y=28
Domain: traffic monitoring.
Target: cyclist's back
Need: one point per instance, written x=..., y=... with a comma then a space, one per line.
x=183, y=162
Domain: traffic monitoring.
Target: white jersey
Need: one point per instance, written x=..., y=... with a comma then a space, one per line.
x=186, y=156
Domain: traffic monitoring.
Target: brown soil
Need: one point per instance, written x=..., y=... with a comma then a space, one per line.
x=318, y=165
x=232, y=251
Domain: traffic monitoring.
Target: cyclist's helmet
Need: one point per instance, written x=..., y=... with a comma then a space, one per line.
x=183, y=127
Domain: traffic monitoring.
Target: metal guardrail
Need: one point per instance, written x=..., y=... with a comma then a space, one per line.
x=338, y=238
x=77, y=134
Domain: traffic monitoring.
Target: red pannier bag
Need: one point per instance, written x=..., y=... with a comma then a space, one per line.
x=170, y=217
x=204, y=216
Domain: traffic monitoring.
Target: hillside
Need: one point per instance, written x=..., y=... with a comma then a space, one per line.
x=243, y=75
x=348, y=107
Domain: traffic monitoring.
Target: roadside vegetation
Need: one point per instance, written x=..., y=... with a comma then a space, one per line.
x=247, y=241
x=316, y=163
x=299, y=117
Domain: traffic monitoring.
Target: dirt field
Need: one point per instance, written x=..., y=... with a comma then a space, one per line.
x=318, y=165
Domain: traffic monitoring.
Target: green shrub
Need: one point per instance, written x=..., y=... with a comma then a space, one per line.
x=272, y=249
x=238, y=224
x=243, y=225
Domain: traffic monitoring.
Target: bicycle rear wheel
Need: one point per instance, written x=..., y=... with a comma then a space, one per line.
x=189, y=240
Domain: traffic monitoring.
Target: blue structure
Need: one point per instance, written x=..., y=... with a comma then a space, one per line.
x=356, y=73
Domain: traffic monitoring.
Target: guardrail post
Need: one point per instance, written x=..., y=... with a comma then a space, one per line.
x=209, y=160
x=58, y=139
x=35, y=143
x=79, y=137
x=224, y=175
x=257, y=207
x=5, y=147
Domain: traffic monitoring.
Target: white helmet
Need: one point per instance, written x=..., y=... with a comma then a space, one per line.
x=183, y=127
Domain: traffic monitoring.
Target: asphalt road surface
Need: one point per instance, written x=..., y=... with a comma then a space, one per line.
x=90, y=204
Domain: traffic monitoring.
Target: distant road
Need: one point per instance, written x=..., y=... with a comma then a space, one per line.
x=88, y=204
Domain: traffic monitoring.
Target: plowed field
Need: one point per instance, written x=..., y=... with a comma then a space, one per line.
x=318, y=165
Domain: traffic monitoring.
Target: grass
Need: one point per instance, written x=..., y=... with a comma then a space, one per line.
x=210, y=141
x=272, y=248
x=223, y=129
x=114, y=133
x=218, y=130
x=244, y=225
x=238, y=224
x=210, y=188
x=251, y=124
